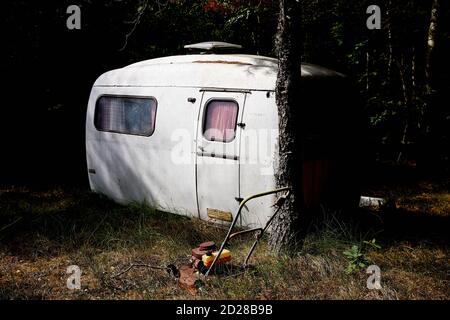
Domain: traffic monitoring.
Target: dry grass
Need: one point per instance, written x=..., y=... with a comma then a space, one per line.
x=43, y=232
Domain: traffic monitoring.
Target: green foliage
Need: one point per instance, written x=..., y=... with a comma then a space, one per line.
x=356, y=259
x=388, y=66
x=356, y=255
x=372, y=244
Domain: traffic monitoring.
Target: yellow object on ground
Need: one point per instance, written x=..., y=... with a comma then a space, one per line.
x=224, y=257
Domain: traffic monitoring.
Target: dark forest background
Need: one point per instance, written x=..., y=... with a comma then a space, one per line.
x=48, y=70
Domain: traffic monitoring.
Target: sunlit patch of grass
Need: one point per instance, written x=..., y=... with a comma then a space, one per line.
x=431, y=203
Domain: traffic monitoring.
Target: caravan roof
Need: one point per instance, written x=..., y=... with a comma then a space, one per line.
x=237, y=71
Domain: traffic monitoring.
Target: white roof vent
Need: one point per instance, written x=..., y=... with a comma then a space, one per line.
x=213, y=46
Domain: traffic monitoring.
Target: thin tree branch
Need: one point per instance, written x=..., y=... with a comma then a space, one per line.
x=135, y=22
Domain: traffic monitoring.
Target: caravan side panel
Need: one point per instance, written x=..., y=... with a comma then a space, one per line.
x=258, y=156
x=130, y=168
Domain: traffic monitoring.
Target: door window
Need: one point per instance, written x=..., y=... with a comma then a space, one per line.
x=220, y=120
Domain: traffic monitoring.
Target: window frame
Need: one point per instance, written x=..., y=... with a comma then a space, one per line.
x=205, y=109
x=129, y=97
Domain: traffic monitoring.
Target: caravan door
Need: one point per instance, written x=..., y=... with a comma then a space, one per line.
x=218, y=146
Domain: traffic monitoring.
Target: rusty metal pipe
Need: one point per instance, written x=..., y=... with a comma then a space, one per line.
x=242, y=204
x=244, y=232
x=261, y=233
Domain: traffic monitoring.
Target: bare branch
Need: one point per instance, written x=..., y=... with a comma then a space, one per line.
x=135, y=22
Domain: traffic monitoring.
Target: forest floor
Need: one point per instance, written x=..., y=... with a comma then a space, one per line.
x=42, y=232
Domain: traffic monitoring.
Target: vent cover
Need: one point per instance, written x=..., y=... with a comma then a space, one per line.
x=213, y=46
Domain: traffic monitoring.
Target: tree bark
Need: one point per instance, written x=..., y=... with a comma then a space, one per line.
x=390, y=47
x=287, y=229
x=431, y=43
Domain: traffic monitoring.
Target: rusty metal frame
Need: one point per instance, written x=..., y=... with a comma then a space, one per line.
x=261, y=230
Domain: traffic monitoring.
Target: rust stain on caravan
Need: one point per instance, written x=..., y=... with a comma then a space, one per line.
x=222, y=61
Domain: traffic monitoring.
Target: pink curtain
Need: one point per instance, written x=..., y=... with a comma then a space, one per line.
x=111, y=116
x=220, y=122
x=104, y=114
x=126, y=115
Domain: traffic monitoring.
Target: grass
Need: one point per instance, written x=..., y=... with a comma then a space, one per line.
x=42, y=232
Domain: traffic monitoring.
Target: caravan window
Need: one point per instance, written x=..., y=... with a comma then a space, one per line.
x=220, y=120
x=128, y=115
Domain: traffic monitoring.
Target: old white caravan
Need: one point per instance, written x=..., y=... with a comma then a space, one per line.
x=195, y=134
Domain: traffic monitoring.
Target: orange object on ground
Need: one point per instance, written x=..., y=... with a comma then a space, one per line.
x=224, y=257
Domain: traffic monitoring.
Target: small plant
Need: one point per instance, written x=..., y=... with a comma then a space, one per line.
x=372, y=243
x=355, y=255
x=356, y=259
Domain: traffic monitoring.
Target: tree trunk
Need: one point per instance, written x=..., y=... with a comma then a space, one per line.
x=390, y=47
x=402, y=67
x=431, y=43
x=286, y=228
